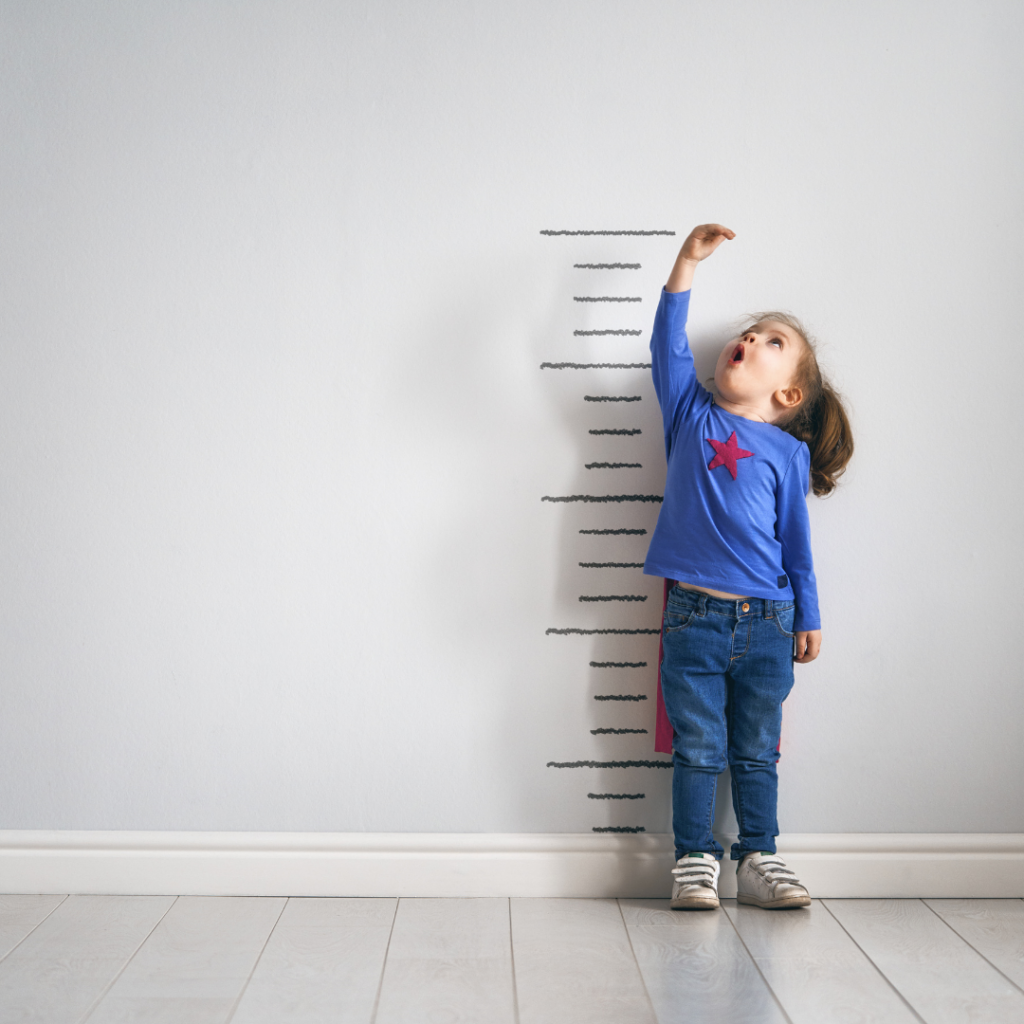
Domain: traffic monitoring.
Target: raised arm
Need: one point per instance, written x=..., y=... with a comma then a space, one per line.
x=701, y=242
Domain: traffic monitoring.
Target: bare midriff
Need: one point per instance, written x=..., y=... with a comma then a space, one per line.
x=710, y=592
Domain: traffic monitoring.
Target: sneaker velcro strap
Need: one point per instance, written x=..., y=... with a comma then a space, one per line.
x=695, y=874
x=775, y=872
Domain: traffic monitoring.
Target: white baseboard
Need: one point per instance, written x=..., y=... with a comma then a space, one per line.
x=485, y=864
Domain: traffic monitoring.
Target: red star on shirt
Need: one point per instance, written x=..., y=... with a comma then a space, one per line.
x=727, y=453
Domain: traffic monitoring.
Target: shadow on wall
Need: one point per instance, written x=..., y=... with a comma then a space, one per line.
x=469, y=424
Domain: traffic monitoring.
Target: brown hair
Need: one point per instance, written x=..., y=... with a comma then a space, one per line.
x=820, y=420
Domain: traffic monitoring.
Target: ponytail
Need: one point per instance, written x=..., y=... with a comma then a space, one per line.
x=825, y=428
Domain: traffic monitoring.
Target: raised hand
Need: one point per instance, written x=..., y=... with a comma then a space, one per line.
x=703, y=240
x=700, y=243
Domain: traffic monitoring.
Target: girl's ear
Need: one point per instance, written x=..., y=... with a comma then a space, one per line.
x=789, y=398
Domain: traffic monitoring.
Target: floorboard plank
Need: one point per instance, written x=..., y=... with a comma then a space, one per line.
x=323, y=963
x=939, y=974
x=20, y=914
x=995, y=928
x=448, y=960
x=574, y=964
x=194, y=965
x=58, y=972
x=815, y=969
x=695, y=966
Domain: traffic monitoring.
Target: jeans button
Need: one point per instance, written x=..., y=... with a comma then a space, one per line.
x=746, y=607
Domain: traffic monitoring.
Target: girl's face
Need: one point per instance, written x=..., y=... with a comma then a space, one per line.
x=759, y=366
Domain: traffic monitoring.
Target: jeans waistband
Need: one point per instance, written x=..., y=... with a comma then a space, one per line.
x=760, y=607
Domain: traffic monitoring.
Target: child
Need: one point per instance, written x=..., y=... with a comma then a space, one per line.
x=733, y=536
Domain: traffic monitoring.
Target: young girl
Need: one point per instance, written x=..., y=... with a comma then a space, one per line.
x=733, y=536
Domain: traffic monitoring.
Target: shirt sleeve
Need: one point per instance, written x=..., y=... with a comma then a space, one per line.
x=675, y=379
x=793, y=528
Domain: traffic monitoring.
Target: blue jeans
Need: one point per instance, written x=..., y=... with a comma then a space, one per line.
x=727, y=667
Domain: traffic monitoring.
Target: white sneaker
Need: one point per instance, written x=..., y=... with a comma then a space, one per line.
x=695, y=882
x=763, y=880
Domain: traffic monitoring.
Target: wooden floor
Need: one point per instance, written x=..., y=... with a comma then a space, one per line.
x=259, y=960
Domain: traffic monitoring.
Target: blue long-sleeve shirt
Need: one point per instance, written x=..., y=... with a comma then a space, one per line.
x=734, y=516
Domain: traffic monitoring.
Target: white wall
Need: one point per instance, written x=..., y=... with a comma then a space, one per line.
x=273, y=431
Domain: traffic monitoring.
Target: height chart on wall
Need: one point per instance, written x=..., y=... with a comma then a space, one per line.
x=600, y=373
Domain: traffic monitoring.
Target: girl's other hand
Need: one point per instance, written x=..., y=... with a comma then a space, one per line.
x=808, y=644
x=703, y=240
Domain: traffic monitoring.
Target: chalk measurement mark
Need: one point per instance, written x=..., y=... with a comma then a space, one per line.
x=603, y=497
x=610, y=301
x=595, y=366
x=609, y=764
x=574, y=631
x=551, y=233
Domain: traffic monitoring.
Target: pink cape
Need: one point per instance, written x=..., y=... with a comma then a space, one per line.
x=662, y=726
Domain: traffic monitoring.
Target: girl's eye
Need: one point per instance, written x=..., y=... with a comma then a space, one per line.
x=775, y=341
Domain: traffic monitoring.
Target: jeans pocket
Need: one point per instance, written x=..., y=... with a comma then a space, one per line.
x=784, y=620
x=677, y=619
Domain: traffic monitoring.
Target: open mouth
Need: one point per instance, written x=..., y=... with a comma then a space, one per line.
x=737, y=356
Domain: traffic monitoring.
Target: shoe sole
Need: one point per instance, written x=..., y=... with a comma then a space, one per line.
x=783, y=904
x=694, y=903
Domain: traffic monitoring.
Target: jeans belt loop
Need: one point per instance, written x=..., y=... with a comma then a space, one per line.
x=769, y=608
x=702, y=605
